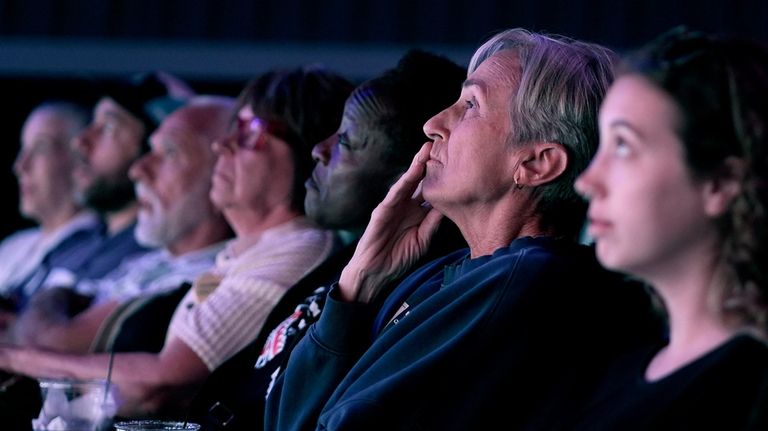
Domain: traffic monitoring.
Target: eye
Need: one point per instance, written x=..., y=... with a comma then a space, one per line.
x=622, y=147
x=343, y=141
x=41, y=147
x=169, y=151
x=109, y=127
x=470, y=104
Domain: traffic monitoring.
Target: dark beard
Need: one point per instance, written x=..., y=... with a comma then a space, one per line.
x=104, y=196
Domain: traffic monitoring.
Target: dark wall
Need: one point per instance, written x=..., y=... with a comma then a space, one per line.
x=616, y=23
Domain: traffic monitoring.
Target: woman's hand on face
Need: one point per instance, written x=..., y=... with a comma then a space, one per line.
x=398, y=234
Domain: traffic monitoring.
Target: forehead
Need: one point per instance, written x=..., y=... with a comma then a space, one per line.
x=45, y=121
x=106, y=107
x=636, y=98
x=178, y=129
x=362, y=108
x=501, y=69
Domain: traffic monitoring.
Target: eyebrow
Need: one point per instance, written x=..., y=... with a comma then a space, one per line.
x=473, y=83
x=624, y=124
x=114, y=114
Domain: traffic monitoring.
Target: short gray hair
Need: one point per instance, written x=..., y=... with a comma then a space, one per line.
x=76, y=116
x=562, y=83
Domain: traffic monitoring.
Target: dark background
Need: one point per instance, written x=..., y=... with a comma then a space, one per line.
x=48, y=48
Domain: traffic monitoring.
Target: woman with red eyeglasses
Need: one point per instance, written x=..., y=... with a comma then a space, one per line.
x=678, y=198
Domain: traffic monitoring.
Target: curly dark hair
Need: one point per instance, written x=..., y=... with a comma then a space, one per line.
x=721, y=88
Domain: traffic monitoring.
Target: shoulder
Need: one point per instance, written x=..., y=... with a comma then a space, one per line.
x=298, y=233
x=546, y=262
x=21, y=237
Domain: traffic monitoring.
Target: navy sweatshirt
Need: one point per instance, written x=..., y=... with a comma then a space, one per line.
x=499, y=339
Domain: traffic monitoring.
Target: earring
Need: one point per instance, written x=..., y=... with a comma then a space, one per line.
x=518, y=186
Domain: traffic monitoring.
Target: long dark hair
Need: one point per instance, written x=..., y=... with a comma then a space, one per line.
x=721, y=88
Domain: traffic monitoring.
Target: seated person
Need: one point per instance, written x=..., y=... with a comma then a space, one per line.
x=46, y=195
x=523, y=320
x=172, y=181
x=258, y=184
x=380, y=132
x=677, y=198
x=129, y=111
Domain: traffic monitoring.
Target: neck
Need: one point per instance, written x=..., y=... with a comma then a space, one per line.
x=696, y=325
x=122, y=218
x=250, y=222
x=488, y=228
x=211, y=231
x=58, y=219
x=348, y=236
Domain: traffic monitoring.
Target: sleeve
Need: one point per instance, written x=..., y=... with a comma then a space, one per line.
x=318, y=364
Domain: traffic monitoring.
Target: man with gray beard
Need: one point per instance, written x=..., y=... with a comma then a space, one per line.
x=172, y=184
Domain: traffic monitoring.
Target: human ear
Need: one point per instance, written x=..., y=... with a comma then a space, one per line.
x=543, y=162
x=720, y=190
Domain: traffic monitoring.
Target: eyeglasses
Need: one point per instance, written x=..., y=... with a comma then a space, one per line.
x=252, y=134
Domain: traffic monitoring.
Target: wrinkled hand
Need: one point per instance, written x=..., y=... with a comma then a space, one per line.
x=398, y=234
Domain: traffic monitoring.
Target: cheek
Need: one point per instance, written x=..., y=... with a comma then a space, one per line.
x=60, y=168
x=651, y=218
x=167, y=195
x=248, y=175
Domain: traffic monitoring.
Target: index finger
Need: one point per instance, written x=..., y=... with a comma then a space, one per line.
x=406, y=185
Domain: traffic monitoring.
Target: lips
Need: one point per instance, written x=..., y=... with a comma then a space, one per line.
x=144, y=205
x=82, y=174
x=433, y=155
x=310, y=185
x=145, y=198
x=598, y=227
x=313, y=182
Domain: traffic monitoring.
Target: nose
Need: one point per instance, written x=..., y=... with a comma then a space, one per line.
x=321, y=152
x=437, y=127
x=82, y=142
x=589, y=184
x=141, y=169
x=21, y=163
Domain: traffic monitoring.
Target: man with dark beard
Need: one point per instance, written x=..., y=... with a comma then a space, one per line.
x=116, y=137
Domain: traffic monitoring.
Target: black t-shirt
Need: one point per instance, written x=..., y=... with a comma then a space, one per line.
x=725, y=389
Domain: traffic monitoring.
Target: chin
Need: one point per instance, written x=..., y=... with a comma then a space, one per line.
x=428, y=190
x=605, y=256
x=613, y=261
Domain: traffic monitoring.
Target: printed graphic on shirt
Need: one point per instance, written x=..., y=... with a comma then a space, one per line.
x=272, y=378
x=397, y=316
x=292, y=327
